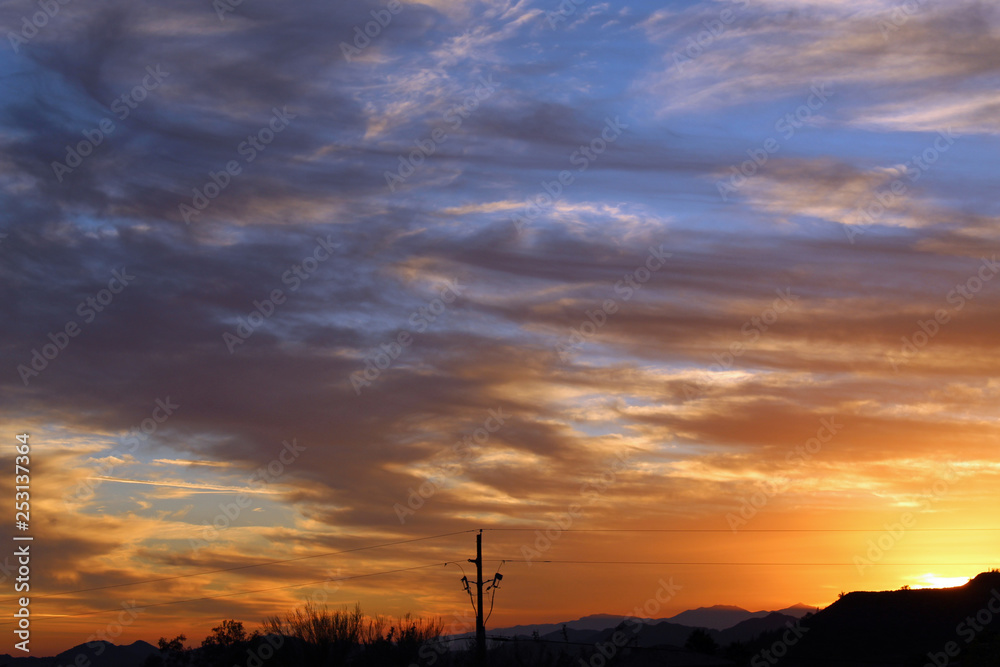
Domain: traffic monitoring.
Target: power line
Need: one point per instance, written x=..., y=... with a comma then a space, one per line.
x=741, y=530
x=244, y=567
x=520, y=560
x=229, y=595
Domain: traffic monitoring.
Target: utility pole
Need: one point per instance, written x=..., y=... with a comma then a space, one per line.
x=480, y=625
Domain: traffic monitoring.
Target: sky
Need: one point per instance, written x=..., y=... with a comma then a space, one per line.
x=281, y=280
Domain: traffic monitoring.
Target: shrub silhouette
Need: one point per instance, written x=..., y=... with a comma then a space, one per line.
x=320, y=635
x=348, y=636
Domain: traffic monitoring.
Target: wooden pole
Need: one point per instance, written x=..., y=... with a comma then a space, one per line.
x=480, y=624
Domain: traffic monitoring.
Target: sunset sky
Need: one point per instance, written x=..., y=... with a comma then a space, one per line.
x=723, y=268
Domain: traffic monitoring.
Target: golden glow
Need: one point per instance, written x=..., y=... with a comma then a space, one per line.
x=933, y=581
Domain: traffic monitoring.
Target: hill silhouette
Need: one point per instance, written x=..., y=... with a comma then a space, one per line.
x=718, y=617
x=665, y=633
x=93, y=654
x=905, y=627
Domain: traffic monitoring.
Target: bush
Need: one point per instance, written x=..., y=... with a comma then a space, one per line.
x=347, y=636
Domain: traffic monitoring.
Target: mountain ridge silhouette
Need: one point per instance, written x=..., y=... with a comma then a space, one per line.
x=702, y=617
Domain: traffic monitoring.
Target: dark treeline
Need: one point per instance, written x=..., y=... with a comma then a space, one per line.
x=312, y=636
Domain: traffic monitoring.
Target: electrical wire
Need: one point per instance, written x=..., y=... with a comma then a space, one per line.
x=658, y=562
x=493, y=587
x=742, y=530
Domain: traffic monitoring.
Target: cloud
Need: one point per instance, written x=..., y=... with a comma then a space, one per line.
x=696, y=384
x=886, y=58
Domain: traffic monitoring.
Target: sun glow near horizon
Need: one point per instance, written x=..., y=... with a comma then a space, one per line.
x=931, y=580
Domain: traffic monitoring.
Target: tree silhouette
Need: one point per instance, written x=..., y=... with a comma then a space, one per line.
x=229, y=633
x=172, y=653
x=226, y=643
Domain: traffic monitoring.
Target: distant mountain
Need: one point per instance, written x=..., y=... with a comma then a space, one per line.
x=93, y=654
x=797, y=610
x=722, y=616
x=719, y=617
x=595, y=622
x=592, y=622
x=665, y=633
